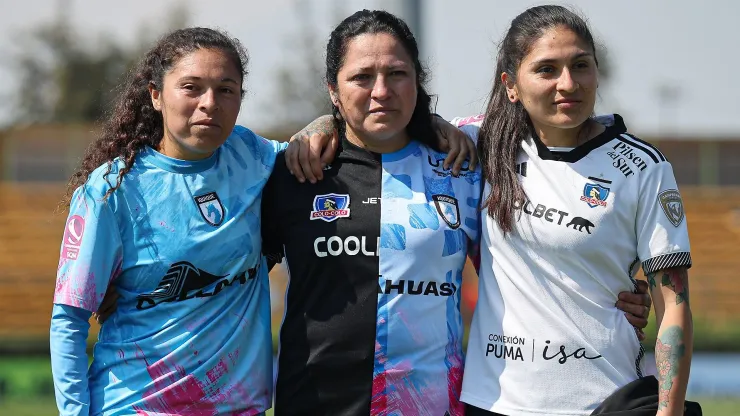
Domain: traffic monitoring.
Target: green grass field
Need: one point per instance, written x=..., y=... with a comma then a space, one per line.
x=46, y=407
x=26, y=390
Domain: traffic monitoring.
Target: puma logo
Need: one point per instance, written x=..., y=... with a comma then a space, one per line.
x=579, y=223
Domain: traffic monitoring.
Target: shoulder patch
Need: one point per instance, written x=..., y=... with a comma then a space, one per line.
x=672, y=204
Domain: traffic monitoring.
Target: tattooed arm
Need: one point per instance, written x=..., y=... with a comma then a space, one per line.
x=311, y=149
x=673, y=349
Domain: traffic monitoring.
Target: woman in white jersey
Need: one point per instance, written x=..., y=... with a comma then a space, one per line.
x=573, y=205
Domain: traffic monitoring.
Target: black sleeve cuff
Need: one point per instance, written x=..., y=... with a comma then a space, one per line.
x=666, y=261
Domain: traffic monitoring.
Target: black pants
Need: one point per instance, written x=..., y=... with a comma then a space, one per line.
x=477, y=411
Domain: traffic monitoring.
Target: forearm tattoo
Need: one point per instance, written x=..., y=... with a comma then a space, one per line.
x=676, y=279
x=323, y=125
x=669, y=349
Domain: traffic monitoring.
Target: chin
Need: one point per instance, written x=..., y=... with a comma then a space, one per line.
x=567, y=121
x=385, y=131
x=206, y=145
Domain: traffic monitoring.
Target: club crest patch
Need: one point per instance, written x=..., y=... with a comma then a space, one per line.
x=210, y=208
x=329, y=207
x=595, y=195
x=447, y=209
x=670, y=201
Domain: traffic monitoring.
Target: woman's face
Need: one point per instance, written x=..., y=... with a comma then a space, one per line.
x=556, y=81
x=376, y=91
x=199, y=101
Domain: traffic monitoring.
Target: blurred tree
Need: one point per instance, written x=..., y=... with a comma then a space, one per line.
x=66, y=79
x=301, y=89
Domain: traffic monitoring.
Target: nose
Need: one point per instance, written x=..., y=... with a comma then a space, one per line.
x=566, y=82
x=208, y=103
x=381, y=89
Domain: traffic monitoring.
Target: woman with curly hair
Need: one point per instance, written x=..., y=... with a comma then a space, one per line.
x=166, y=205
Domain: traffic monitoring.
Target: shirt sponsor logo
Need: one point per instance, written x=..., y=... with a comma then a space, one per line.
x=412, y=287
x=624, y=158
x=448, y=209
x=580, y=223
x=210, y=208
x=516, y=348
x=352, y=246
x=670, y=201
x=185, y=281
x=72, y=241
x=438, y=162
x=556, y=216
x=329, y=207
x=595, y=195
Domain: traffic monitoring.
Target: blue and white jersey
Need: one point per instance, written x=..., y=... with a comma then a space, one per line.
x=375, y=254
x=180, y=241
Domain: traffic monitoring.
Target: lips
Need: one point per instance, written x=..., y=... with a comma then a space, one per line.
x=567, y=101
x=206, y=123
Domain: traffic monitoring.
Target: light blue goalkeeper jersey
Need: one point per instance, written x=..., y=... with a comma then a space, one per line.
x=180, y=241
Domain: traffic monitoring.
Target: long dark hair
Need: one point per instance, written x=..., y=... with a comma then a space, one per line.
x=420, y=126
x=132, y=123
x=507, y=124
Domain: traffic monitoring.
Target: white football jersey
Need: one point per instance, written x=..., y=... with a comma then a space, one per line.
x=546, y=336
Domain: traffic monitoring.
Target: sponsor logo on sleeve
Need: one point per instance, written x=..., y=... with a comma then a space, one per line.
x=73, y=232
x=595, y=195
x=670, y=201
x=447, y=209
x=210, y=208
x=329, y=207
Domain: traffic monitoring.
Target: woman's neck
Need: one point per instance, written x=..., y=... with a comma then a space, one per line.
x=572, y=137
x=171, y=148
x=390, y=145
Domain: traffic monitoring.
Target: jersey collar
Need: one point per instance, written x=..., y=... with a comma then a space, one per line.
x=614, y=126
x=347, y=148
x=153, y=157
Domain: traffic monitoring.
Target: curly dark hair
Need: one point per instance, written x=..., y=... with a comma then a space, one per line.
x=420, y=127
x=132, y=123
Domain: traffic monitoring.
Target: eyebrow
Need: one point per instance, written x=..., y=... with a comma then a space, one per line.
x=192, y=78
x=394, y=66
x=549, y=61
